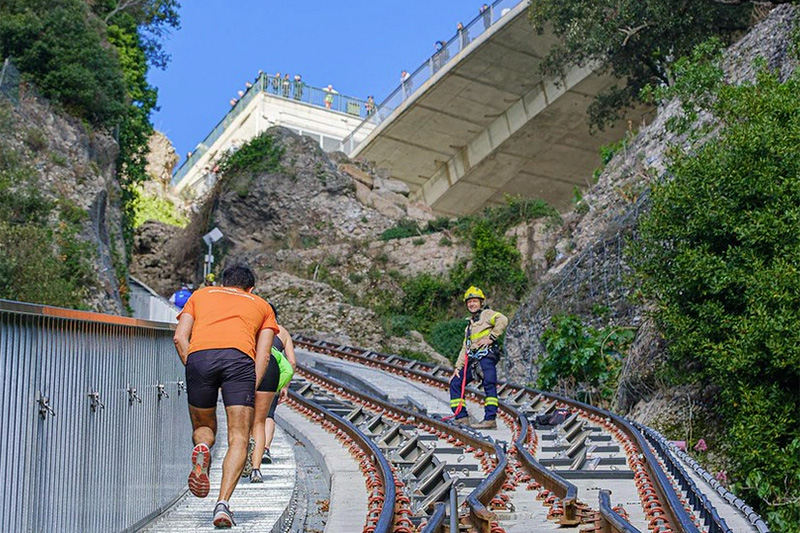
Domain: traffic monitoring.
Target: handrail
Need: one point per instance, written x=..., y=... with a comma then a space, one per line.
x=75, y=314
x=447, y=54
x=298, y=92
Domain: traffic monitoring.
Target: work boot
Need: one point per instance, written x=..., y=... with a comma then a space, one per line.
x=485, y=424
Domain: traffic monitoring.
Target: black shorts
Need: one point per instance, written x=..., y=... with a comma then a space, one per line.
x=209, y=370
x=271, y=376
x=272, y=407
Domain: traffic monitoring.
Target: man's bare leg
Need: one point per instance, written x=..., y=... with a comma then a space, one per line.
x=240, y=420
x=263, y=403
x=204, y=425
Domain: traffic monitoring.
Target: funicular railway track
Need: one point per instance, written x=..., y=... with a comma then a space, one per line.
x=414, y=463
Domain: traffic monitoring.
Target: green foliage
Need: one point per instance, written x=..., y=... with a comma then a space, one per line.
x=515, y=211
x=153, y=207
x=403, y=229
x=582, y=361
x=635, y=39
x=60, y=48
x=426, y=295
x=496, y=262
x=446, y=337
x=719, y=253
x=41, y=261
x=258, y=155
x=92, y=58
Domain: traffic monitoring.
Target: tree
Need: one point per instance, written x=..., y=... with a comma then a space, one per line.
x=635, y=40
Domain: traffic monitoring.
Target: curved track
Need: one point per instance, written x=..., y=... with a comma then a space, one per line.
x=407, y=469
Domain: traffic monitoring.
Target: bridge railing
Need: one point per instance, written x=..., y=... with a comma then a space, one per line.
x=445, y=54
x=283, y=88
x=94, y=420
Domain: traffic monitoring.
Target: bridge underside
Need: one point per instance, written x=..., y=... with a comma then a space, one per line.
x=488, y=124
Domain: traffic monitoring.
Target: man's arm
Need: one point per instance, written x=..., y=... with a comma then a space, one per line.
x=183, y=332
x=289, y=351
x=263, y=348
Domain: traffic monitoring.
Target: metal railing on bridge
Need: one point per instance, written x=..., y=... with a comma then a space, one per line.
x=445, y=53
x=94, y=416
x=296, y=91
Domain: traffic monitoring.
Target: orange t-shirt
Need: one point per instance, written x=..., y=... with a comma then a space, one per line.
x=227, y=317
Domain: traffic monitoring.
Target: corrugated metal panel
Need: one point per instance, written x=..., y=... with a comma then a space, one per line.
x=84, y=469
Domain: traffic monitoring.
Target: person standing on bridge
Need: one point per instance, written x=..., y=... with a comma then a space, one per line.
x=478, y=358
x=266, y=401
x=223, y=337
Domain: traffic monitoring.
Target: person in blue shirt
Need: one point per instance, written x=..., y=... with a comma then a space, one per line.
x=181, y=296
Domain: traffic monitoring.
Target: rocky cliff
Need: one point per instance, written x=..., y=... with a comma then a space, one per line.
x=72, y=170
x=311, y=231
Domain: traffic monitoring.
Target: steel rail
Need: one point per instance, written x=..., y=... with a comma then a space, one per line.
x=611, y=521
x=485, y=491
x=676, y=514
x=386, y=517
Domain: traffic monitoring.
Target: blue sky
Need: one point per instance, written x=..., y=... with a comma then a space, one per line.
x=358, y=46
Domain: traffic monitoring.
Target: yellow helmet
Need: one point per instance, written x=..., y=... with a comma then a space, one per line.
x=474, y=292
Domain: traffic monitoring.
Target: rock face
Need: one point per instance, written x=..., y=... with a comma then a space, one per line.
x=311, y=231
x=75, y=164
x=587, y=275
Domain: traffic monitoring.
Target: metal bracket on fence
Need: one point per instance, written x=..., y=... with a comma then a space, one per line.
x=181, y=387
x=132, y=396
x=94, y=399
x=44, y=406
x=162, y=393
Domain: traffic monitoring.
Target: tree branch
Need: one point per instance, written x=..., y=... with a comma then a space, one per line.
x=122, y=6
x=630, y=32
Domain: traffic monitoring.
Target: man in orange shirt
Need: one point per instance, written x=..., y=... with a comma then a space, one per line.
x=224, y=337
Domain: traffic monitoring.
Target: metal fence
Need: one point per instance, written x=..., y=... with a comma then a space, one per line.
x=447, y=51
x=9, y=81
x=94, y=420
x=281, y=87
x=597, y=281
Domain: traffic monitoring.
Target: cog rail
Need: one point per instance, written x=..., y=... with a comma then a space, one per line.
x=664, y=508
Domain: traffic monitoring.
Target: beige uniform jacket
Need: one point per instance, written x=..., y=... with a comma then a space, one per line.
x=487, y=322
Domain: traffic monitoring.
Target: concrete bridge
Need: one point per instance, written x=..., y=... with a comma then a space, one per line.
x=473, y=123
x=478, y=121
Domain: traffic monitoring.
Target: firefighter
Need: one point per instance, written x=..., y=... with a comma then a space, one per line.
x=478, y=359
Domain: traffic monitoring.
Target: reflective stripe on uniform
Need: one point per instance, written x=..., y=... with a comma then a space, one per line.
x=490, y=400
x=494, y=317
x=479, y=335
x=458, y=401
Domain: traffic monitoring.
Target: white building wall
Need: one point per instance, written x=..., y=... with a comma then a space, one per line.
x=265, y=110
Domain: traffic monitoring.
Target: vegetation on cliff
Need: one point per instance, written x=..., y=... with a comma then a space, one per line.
x=719, y=254
x=92, y=59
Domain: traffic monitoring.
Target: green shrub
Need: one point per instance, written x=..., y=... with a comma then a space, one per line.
x=426, y=294
x=719, y=254
x=151, y=207
x=403, y=229
x=581, y=361
x=399, y=325
x=258, y=155
x=447, y=337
